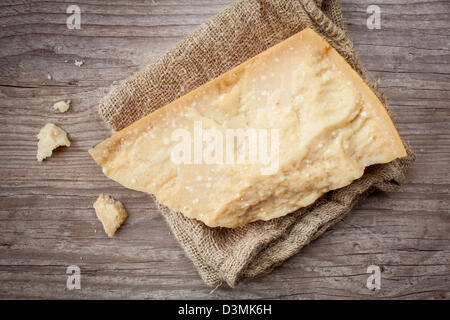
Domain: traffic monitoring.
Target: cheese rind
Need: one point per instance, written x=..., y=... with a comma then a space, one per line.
x=111, y=213
x=50, y=137
x=330, y=127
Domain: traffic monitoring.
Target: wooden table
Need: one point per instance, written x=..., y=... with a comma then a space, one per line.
x=46, y=217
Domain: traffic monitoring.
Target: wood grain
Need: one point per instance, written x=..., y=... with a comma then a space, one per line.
x=46, y=218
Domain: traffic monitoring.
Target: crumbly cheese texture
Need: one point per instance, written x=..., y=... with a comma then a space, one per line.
x=111, y=213
x=330, y=126
x=62, y=106
x=50, y=137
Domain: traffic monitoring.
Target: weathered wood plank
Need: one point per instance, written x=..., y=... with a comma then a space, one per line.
x=46, y=219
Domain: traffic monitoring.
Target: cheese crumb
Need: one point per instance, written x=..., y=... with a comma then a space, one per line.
x=79, y=63
x=110, y=212
x=50, y=137
x=62, y=106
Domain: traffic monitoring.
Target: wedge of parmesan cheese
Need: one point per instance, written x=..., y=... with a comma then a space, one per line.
x=111, y=213
x=311, y=123
x=50, y=137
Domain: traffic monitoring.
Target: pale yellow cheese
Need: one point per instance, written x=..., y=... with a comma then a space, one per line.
x=111, y=213
x=62, y=106
x=328, y=123
x=50, y=137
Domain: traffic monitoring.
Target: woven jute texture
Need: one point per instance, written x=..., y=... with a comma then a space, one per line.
x=241, y=31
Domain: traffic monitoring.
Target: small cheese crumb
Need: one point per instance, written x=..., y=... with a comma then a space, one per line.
x=50, y=137
x=62, y=106
x=111, y=213
x=79, y=63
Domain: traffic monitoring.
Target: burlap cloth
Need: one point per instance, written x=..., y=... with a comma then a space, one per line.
x=241, y=31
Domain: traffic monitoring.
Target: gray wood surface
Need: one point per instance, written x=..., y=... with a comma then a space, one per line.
x=46, y=217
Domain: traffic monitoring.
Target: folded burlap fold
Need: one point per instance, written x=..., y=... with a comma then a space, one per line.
x=240, y=32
